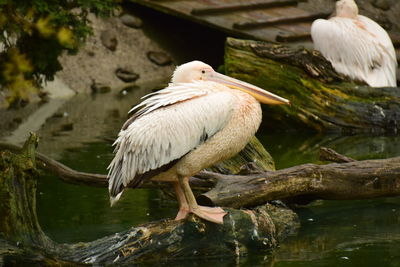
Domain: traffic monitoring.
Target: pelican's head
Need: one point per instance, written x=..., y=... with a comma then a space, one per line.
x=191, y=71
x=199, y=71
x=346, y=8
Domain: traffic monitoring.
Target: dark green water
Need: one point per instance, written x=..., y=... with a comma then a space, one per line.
x=333, y=233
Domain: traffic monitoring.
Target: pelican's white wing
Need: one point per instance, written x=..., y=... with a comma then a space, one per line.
x=170, y=124
x=358, y=48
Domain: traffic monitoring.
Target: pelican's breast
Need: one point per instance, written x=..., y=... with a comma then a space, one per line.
x=230, y=140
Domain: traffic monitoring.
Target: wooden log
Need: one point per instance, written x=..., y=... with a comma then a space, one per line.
x=321, y=99
x=336, y=181
x=168, y=240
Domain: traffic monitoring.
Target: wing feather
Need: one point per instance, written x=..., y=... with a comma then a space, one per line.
x=360, y=49
x=167, y=126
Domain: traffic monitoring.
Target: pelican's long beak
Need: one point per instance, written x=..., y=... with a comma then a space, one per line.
x=261, y=95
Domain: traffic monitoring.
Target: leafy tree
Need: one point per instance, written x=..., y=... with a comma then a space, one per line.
x=33, y=33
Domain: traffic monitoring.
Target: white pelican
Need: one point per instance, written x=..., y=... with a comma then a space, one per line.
x=356, y=46
x=197, y=121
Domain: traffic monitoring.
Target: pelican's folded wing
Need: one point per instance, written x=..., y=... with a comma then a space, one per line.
x=170, y=124
x=354, y=50
x=387, y=71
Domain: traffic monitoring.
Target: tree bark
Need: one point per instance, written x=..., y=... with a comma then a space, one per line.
x=321, y=99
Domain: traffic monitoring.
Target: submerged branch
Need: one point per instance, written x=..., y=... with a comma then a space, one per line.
x=328, y=154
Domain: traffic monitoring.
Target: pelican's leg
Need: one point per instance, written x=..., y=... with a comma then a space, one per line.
x=215, y=215
x=183, y=205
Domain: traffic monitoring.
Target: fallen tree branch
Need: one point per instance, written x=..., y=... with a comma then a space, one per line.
x=352, y=180
x=254, y=154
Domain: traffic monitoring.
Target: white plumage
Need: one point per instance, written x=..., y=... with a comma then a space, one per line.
x=356, y=46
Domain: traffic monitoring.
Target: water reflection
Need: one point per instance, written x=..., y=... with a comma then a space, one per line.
x=341, y=231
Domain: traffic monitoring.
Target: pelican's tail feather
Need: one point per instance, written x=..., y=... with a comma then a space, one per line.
x=114, y=200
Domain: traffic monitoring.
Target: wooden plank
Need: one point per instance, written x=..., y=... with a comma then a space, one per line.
x=265, y=33
x=240, y=6
x=279, y=20
x=289, y=38
x=224, y=21
x=295, y=28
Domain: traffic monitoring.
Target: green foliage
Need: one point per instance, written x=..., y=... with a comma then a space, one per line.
x=33, y=33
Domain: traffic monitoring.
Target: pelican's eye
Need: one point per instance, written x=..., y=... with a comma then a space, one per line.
x=203, y=71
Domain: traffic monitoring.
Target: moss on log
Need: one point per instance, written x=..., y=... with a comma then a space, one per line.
x=321, y=99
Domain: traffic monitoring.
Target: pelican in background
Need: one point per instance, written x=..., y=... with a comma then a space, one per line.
x=356, y=46
x=201, y=118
